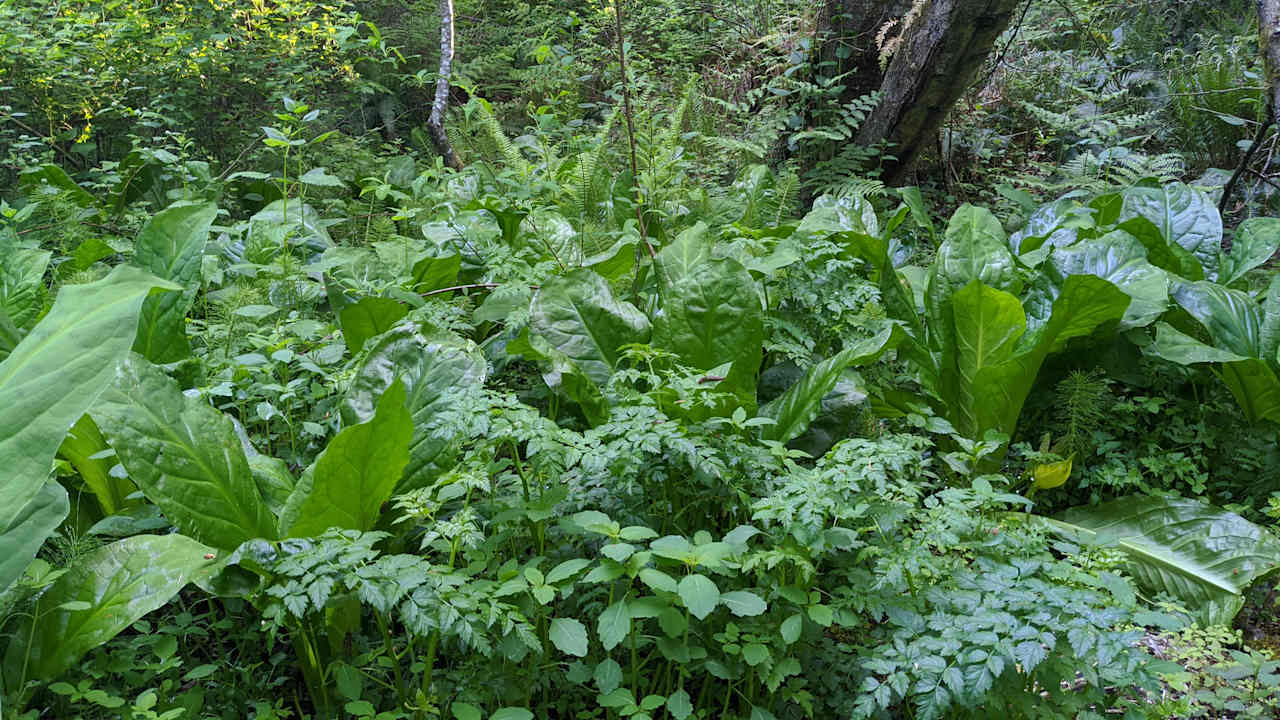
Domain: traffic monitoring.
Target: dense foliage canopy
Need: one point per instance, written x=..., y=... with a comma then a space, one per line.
x=737, y=359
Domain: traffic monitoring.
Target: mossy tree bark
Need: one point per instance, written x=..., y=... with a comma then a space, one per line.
x=937, y=59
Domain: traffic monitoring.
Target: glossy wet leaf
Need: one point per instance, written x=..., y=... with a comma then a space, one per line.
x=437, y=369
x=1202, y=555
x=185, y=456
x=713, y=315
x=49, y=381
x=368, y=318
x=1121, y=260
x=1185, y=216
x=115, y=585
x=358, y=470
x=1256, y=241
x=973, y=248
x=579, y=316
x=170, y=246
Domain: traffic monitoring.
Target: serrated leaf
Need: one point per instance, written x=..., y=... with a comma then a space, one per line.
x=569, y=636
x=679, y=704
x=614, y=624
x=699, y=594
x=608, y=675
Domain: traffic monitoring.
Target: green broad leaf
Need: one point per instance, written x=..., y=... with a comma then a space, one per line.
x=578, y=316
x=991, y=367
x=1256, y=241
x=465, y=711
x=614, y=624
x=680, y=705
x=566, y=570
x=1232, y=318
x=511, y=713
x=743, y=603
x=562, y=373
x=830, y=215
x=22, y=286
x=912, y=198
x=1170, y=258
x=711, y=316
x=437, y=369
x=436, y=273
x=319, y=177
x=569, y=636
x=699, y=594
x=607, y=675
x=1269, y=333
x=46, y=384
x=1180, y=348
x=33, y=181
x=10, y=335
x=369, y=318
x=171, y=246
x=988, y=324
x=973, y=248
x=1186, y=217
x=88, y=452
x=1202, y=555
x=85, y=255
x=114, y=586
x=358, y=471
x=687, y=251
x=185, y=456
x=791, y=628
x=1121, y=260
x=1256, y=388
x=616, y=260
x=801, y=403
x=274, y=480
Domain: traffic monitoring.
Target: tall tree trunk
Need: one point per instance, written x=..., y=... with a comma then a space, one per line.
x=942, y=51
x=435, y=123
x=1269, y=36
x=847, y=32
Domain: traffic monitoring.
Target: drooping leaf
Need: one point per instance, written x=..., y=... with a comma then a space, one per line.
x=830, y=215
x=1256, y=241
x=102, y=593
x=22, y=285
x=1167, y=256
x=170, y=246
x=358, y=470
x=579, y=316
x=1256, y=388
x=1202, y=555
x=1180, y=348
x=49, y=380
x=25, y=531
x=711, y=316
x=800, y=403
x=688, y=250
x=51, y=176
x=437, y=369
x=368, y=318
x=185, y=456
x=87, y=450
x=1186, y=217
